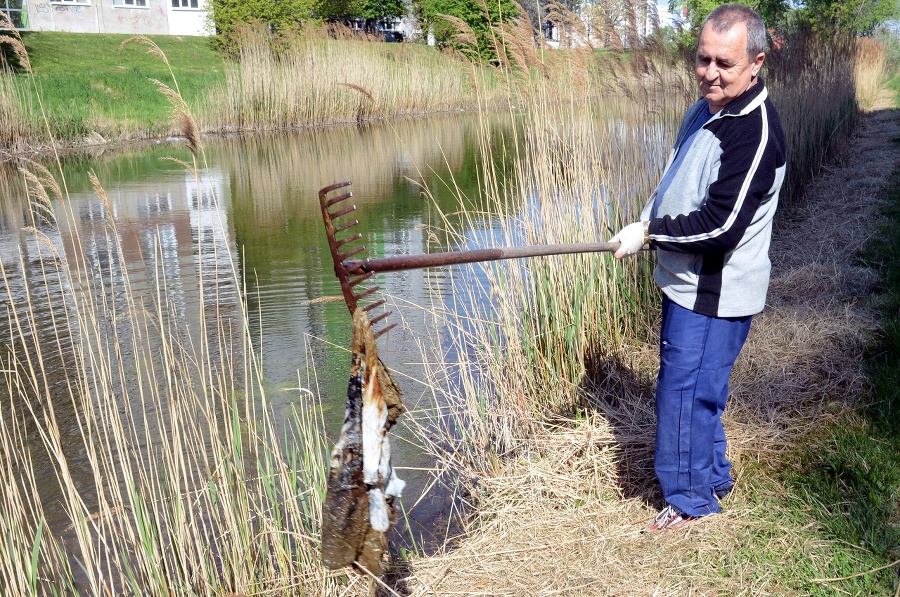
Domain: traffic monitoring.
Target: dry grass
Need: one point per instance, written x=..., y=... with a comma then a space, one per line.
x=16, y=121
x=563, y=518
x=560, y=502
x=16, y=125
x=871, y=60
x=140, y=452
x=311, y=78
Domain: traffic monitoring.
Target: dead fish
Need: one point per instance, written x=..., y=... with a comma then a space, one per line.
x=362, y=485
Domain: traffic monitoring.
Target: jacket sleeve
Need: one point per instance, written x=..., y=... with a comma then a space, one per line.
x=746, y=173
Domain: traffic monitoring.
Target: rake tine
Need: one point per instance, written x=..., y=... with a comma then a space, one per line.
x=351, y=298
x=378, y=318
x=360, y=279
x=352, y=252
x=346, y=225
x=385, y=329
x=338, y=199
x=368, y=292
x=349, y=239
x=342, y=212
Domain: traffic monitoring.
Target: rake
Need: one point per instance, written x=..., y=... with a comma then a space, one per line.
x=353, y=272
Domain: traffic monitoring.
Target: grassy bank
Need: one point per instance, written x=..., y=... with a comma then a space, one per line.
x=558, y=368
x=567, y=334
x=812, y=427
x=92, y=89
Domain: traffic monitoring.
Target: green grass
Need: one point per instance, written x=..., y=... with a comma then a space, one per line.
x=842, y=490
x=894, y=84
x=88, y=85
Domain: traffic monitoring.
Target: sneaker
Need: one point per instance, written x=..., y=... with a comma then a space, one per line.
x=669, y=519
x=723, y=491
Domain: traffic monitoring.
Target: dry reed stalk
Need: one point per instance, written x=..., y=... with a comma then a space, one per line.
x=815, y=125
x=18, y=49
x=156, y=437
x=871, y=60
x=563, y=517
x=298, y=81
x=16, y=123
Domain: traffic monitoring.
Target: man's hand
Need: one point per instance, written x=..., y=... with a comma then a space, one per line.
x=632, y=238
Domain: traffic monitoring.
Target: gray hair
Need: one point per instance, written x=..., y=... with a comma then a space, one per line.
x=724, y=17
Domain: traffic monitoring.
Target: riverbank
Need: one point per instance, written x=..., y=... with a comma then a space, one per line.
x=77, y=90
x=89, y=90
x=815, y=507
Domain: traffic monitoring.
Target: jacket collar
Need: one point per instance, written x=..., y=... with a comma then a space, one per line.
x=747, y=101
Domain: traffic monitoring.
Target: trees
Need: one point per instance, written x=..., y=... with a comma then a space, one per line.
x=773, y=12
x=479, y=17
x=227, y=15
x=848, y=16
x=278, y=15
x=537, y=10
x=855, y=16
x=375, y=10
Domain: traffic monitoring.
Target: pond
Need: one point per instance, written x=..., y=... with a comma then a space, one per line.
x=268, y=221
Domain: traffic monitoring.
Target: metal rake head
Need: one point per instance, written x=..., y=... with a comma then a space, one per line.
x=352, y=279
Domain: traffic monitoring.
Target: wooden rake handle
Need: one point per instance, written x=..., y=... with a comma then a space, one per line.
x=407, y=262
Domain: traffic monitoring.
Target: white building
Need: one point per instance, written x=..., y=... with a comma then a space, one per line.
x=153, y=17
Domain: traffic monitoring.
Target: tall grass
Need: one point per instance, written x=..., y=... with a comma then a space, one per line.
x=871, y=64
x=15, y=117
x=538, y=339
x=816, y=123
x=312, y=77
x=139, y=449
x=13, y=113
x=548, y=337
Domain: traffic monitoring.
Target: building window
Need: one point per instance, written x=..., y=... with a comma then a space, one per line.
x=15, y=12
x=131, y=3
x=195, y=4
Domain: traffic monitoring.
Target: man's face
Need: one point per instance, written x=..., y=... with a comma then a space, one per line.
x=723, y=69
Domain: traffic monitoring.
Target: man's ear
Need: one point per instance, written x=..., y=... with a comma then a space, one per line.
x=757, y=63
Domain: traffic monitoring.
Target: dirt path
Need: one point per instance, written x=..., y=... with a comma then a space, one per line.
x=561, y=522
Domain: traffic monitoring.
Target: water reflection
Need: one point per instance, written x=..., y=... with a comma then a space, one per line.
x=254, y=201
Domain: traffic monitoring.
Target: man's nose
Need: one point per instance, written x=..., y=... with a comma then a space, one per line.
x=712, y=73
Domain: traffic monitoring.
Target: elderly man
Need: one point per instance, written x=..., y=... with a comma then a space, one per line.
x=710, y=220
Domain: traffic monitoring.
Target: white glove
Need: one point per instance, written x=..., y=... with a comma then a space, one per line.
x=632, y=239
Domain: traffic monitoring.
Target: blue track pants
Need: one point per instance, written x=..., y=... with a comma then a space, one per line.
x=697, y=354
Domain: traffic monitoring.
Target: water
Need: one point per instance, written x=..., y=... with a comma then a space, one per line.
x=268, y=221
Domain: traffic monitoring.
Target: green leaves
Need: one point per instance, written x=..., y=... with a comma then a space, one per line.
x=848, y=16
x=465, y=25
x=229, y=15
x=379, y=9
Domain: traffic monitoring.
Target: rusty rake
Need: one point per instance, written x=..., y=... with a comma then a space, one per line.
x=351, y=273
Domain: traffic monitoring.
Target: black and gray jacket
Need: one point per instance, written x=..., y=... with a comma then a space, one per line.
x=712, y=226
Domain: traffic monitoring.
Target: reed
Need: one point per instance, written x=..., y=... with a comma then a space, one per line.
x=13, y=114
x=871, y=63
x=315, y=77
x=544, y=339
x=141, y=454
x=816, y=124
x=540, y=339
